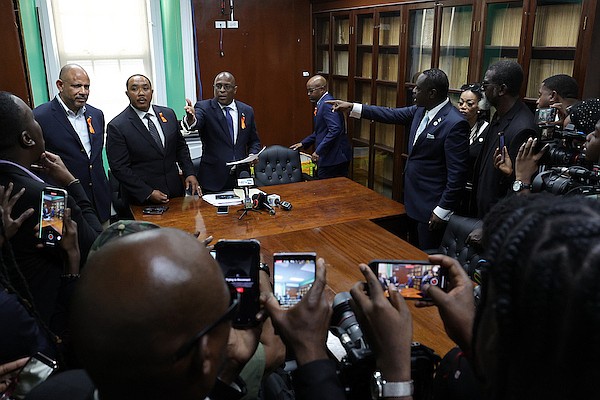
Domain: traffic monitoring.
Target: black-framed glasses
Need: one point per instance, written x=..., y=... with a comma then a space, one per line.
x=310, y=91
x=228, y=315
x=226, y=86
x=473, y=87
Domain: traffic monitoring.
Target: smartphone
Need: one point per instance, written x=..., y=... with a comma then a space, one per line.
x=409, y=276
x=155, y=210
x=293, y=276
x=225, y=196
x=37, y=369
x=239, y=261
x=52, y=211
x=545, y=116
x=222, y=209
x=501, y=145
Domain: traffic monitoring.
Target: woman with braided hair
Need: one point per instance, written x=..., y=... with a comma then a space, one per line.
x=536, y=332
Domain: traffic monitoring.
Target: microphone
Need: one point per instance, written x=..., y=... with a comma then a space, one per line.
x=260, y=202
x=245, y=181
x=286, y=205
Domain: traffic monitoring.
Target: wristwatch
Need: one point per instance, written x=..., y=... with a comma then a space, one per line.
x=264, y=267
x=519, y=185
x=381, y=389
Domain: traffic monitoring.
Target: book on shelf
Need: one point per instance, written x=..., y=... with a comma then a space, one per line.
x=385, y=134
x=363, y=92
x=389, y=31
x=457, y=69
x=366, y=65
x=386, y=96
x=340, y=89
x=505, y=26
x=365, y=27
x=341, y=63
x=557, y=25
x=540, y=69
x=456, y=26
x=387, y=67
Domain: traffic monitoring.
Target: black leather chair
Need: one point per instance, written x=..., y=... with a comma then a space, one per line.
x=278, y=165
x=454, y=242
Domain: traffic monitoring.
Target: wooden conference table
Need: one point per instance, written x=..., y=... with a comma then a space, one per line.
x=336, y=218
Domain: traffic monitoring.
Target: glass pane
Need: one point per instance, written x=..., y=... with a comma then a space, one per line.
x=420, y=42
x=322, y=45
x=385, y=133
x=541, y=69
x=384, y=172
x=455, y=43
x=387, y=65
x=340, y=88
x=364, y=62
x=362, y=127
x=364, y=30
x=322, y=31
x=360, y=164
x=322, y=61
x=341, y=62
x=503, y=32
x=389, y=29
x=342, y=30
x=557, y=23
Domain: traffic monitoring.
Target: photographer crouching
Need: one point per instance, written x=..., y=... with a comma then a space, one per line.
x=566, y=159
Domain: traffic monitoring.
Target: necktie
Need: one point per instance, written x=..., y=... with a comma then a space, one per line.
x=421, y=127
x=153, y=131
x=229, y=123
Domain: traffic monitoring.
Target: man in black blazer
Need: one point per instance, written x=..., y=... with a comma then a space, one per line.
x=74, y=130
x=228, y=132
x=438, y=151
x=144, y=144
x=512, y=120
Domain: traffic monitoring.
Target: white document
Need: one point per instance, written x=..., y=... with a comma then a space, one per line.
x=246, y=160
x=213, y=200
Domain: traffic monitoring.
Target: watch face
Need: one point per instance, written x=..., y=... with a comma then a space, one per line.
x=376, y=386
x=517, y=186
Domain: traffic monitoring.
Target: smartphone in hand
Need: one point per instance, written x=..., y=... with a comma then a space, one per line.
x=293, y=276
x=52, y=212
x=410, y=276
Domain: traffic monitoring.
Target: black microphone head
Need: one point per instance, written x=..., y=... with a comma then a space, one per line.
x=244, y=174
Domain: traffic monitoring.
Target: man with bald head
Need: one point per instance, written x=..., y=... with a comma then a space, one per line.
x=74, y=130
x=156, y=324
x=332, y=151
x=228, y=132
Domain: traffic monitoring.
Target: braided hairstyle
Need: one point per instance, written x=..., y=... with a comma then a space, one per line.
x=537, y=330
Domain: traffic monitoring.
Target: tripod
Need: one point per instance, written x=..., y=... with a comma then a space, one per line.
x=247, y=204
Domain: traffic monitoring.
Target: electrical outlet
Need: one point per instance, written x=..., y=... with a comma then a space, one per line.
x=232, y=24
x=220, y=24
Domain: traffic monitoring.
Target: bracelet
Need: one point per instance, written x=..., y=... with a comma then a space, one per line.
x=73, y=182
x=70, y=277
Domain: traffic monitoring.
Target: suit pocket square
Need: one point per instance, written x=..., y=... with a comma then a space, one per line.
x=430, y=136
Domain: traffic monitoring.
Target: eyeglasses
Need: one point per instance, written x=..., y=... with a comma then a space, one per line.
x=484, y=84
x=310, y=91
x=229, y=313
x=220, y=86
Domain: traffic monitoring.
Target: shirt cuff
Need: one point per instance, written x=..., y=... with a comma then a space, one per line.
x=185, y=126
x=356, y=111
x=442, y=213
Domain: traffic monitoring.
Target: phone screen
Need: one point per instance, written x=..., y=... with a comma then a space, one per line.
x=37, y=369
x=545, y=116
x=52, y=211
x=501, y=145
x=239, y=260
x=409, y=276
x=293, y=276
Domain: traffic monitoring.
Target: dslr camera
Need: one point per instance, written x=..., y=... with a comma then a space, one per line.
x=564, y=144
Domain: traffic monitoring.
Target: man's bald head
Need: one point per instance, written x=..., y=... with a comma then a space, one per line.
x=141, y=298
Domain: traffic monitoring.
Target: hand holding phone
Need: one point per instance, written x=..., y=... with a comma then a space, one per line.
x=501, y=145
x=293, y=276
x=52, y=211
x=409, y=276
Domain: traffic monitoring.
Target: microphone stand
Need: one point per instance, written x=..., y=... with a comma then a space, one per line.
x=247, y=204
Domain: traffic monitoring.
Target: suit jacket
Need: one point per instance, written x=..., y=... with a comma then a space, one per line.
x=217, y=147
x=436, y=169
x=42, y=267
x=61, y=138
x=138, y=162
x=329, y=137
x=491, y=184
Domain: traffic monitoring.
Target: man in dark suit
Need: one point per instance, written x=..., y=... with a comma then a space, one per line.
x=332, y=148
x=74, y=130
x=513, y=120
x=438, y=151
x=228, y=132
x=144, y=144
x=22, y=147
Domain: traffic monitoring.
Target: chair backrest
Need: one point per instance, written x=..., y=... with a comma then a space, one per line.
x=453, y=242
x=278, y=165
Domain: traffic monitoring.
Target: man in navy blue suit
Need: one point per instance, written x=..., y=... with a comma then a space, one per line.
x=144, y=144
x=74, y=130
x=228, y=133
x=332, y=148
x=438, y=150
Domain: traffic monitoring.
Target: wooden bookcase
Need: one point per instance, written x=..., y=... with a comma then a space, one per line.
x=372, y=53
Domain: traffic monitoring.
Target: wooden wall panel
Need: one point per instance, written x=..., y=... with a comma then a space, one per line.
x=13, y=75
x=267, y=55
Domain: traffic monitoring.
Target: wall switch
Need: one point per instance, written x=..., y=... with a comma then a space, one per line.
x=220, y=24
x=232, y=24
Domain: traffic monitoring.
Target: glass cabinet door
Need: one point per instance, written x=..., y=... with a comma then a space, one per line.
x=322, y=45
x=502, y=32
x=455, y=43
x=420, y=42
x=341, y=37
x=364, y=46
x=389, y=41
x=555, y=34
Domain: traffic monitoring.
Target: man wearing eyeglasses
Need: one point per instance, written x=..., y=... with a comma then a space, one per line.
x=332, y=152
x=228, y=133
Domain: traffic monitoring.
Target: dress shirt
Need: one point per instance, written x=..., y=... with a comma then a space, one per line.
x=152, y=115
x=79, y=124
x=233, y=111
